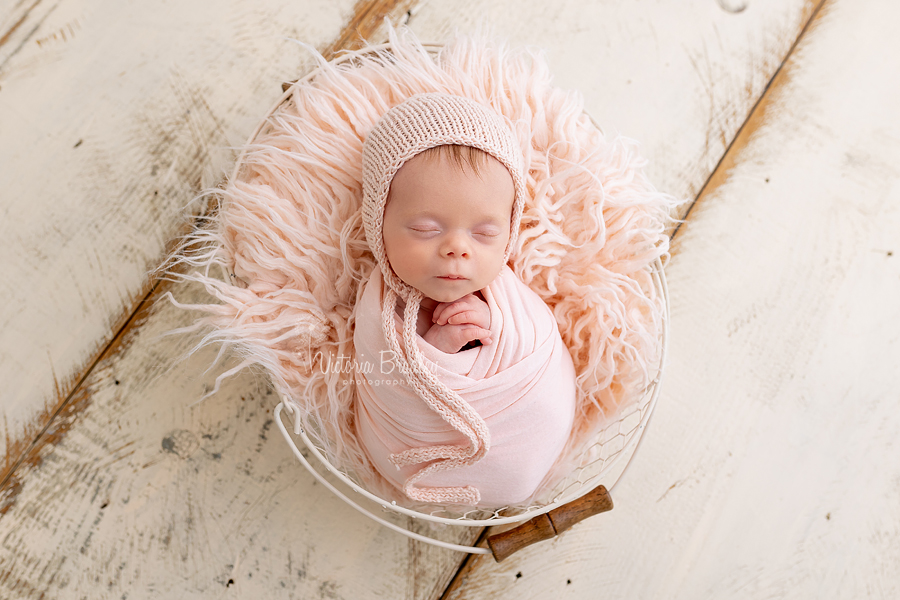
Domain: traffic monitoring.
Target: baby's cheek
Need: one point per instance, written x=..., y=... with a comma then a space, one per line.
x=412, y=260
x=410, y=264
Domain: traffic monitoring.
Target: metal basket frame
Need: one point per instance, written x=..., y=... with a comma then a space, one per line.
x=564, y=493
x=644, y=406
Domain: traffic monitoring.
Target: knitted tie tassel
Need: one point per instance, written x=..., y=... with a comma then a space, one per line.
x=422, y=122
x=291, y=230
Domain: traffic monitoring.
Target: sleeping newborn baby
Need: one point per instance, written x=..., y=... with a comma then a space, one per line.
x=466, y=393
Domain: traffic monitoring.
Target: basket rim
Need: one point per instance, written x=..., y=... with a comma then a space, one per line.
x=432, y=47
x=633, y=440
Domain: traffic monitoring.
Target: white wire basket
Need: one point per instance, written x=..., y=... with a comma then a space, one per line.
x=599, y=463
x=602, y=461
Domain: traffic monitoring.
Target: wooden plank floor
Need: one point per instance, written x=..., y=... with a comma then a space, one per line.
x=770, y=468
x=114, y=115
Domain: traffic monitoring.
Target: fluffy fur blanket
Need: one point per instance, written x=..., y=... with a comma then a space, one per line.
x=289, y=233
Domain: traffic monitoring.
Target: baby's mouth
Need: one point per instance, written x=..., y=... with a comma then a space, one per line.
x=451, y=277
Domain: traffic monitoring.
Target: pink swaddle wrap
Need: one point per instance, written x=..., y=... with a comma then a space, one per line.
x=522, y=385
x=287, y=228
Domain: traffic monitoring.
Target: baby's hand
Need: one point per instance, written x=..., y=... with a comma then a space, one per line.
x=458, y=323
x=469, y=309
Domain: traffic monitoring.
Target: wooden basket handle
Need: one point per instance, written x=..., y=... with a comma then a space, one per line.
x=551, y=524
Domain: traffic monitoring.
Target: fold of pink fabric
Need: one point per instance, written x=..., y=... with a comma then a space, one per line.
x=522, y=385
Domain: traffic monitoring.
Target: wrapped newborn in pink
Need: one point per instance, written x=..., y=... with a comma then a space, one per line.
x=522, y=384
x=466, y=392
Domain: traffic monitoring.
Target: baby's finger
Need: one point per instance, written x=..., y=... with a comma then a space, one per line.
x=479, y=318
x=446, y=312
x=438, y=311
x=484, y=336
x=466, y=316
x=473, y=332
x=462, y=333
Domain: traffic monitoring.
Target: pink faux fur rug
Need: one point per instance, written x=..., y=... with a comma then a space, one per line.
x=290, y=231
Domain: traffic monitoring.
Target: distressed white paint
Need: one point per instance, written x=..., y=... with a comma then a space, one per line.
x=147, y=497
x=176, y=526
x=680, y=77
x=113, y=115
x=772, y=468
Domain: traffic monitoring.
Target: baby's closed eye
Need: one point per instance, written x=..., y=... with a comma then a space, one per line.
x=487, y=231
x=425, y=228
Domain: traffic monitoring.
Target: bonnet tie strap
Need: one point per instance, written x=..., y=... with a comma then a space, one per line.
x=440, y=398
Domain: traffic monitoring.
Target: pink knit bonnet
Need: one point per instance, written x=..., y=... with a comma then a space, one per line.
x=421, y=122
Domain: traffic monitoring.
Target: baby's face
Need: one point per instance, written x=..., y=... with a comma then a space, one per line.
x=446, y=228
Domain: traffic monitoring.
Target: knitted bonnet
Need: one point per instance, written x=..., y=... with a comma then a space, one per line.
x=421, y=122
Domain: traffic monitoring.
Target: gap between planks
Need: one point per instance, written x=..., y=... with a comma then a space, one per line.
x=368, y=17
x=755, y=118
x=15, y=26
x=365, y=22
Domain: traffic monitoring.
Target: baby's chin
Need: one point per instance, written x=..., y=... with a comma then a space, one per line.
x=447, y=298
x=450, y=293
x=443, y=291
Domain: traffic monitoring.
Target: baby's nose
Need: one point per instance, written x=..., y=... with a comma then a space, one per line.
x=456, y=247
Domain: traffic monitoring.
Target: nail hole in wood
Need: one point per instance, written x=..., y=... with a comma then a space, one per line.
x=568, y=582
x=230, y=583
x=733, y=6
x=519, y=575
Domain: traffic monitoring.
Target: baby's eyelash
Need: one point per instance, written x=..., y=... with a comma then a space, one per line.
x=487, y=232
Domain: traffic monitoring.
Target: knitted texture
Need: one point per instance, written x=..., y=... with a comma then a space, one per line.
x=522, y=384
x=425, y=121
x=289, y=232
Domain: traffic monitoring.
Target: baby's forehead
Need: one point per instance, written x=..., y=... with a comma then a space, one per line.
x=440, y=171
x=459, y=160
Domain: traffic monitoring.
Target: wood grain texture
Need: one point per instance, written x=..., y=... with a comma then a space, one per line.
x=367, y=23
x=771, y=469
x=146, y=496
x=757, y=116
x=680, y=77
x=140, y=495
x=114, y=116
x=548, y=525
x=71, y=527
